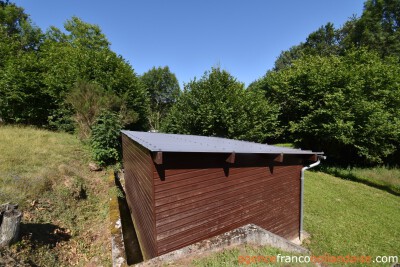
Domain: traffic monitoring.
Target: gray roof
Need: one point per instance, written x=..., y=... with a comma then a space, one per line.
x=193, y=143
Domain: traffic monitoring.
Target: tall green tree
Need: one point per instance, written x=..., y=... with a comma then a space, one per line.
x=22, y=99
x=163, y=88
x=323, y=42
x=37, y=71
x=347, y=106
x=83, y=54
x=218, y=105
x=378, y=28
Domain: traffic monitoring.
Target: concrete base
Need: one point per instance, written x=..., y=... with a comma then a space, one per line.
x=299, y=240
x=248, y=234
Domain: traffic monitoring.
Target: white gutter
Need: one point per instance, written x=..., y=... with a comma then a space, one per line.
x=302, y=192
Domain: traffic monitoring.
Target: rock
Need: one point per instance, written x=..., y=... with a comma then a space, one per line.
x=94, y=167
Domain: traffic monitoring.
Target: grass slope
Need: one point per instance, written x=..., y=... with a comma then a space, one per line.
x=65, y=207
x=346, y=217
x=380, y=177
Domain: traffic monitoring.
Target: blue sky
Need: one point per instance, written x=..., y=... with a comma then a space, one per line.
x=191, y=36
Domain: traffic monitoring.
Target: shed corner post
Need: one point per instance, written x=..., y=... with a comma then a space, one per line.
x=158, y=157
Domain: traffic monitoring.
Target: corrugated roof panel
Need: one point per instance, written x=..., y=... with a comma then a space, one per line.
x=194, y=143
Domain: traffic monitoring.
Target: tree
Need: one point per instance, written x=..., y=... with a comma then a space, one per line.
x=83, y=53
x=286, y=57
x=163, y=88
x=323, y=42
x=38, y=71
x=88, y=100
x=22, y=99
x=347, y=106
x=218, y=105
x=377, y=28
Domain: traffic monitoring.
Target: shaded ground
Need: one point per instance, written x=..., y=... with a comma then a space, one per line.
x=132, y=248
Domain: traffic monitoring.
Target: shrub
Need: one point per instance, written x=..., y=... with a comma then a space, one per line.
x=219, y=105
x=88, y=99
x=62, y=119
x=105, y=140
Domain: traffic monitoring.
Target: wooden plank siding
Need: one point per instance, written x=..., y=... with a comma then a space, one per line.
x=199, y=195
x=139, y=187
x=193, y=196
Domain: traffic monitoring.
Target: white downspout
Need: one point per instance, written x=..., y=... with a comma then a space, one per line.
x=302, y=192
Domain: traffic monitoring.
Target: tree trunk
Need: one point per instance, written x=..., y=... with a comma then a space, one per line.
x=5, y=207
x=10, y=219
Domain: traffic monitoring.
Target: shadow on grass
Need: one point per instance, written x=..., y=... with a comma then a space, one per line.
x=349, y=176
x=44, y=234
x=131, y=243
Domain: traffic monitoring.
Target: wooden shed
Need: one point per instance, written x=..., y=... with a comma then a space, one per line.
x=182, y=189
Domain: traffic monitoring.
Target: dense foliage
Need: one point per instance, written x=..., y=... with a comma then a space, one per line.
x=83, y=54
x=21, y=97
x=105, y=139
x=338, y=91
x=38, y=71
x=163, y=88
x=377, y=29
x=218, y=105
x=88, y=100
x=347, y=105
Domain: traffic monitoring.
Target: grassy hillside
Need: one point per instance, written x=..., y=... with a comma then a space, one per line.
x=346, y=217
x=65, y=206
x=380, y=177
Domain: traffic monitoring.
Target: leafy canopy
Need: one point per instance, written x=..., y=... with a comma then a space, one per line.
x=376, y=29
x=83, y=53
x=347, y=106
x=218, y=105
x=38, y=71
x=163, y=88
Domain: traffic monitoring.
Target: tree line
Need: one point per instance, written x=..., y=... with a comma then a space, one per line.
x=338, y=92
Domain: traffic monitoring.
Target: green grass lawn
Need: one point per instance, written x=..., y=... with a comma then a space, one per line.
x=33, y=160
x=346, y=217
x=64, y=205
x=242, y=255
x=381, y=177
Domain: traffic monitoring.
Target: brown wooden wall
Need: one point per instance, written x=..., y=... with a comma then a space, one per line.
x=194, y=196
x=198, y=196
x=139, y=187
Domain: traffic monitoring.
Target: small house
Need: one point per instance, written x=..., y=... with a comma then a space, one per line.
x=182, y=189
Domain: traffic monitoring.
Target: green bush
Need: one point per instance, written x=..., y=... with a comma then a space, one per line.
x=219, y=105
x=62, y=119
x=88, y=100
x=346, y=106
x=105, y=140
